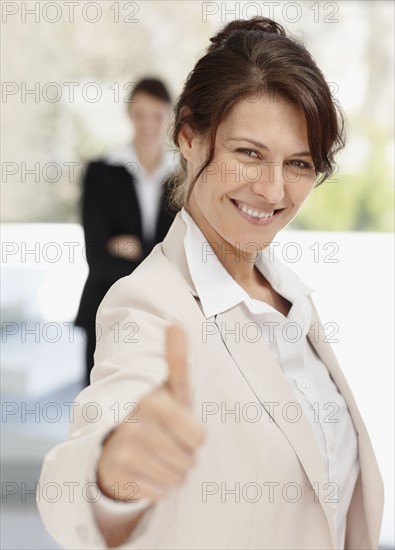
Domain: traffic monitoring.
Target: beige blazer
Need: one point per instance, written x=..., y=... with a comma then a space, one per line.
x=259, y=481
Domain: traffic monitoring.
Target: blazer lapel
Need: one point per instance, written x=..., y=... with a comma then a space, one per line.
x=373, y=490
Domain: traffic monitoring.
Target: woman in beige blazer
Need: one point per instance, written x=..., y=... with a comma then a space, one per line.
x=233, y=431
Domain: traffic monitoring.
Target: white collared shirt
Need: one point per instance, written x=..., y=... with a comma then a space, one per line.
x=148, y=186
x=286, y=337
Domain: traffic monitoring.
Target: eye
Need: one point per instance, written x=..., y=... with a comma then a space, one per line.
x=302, y=164
x=247, y=152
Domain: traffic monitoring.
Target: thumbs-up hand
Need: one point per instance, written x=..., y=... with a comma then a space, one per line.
x=145, y=458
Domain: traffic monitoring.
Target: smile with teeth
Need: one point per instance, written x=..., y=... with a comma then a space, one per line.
x=254, y=213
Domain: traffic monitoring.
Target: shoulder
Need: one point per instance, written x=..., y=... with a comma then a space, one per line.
x=99, y=170
x=101, y=164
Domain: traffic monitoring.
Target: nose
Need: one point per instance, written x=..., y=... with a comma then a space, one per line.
x=269, y=182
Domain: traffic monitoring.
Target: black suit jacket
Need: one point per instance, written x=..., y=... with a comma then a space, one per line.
x=110, y=207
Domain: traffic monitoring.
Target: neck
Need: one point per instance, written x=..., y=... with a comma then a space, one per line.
x=149, y=157
x=238, y=263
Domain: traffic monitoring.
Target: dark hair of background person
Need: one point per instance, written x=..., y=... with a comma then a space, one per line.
x=153, y=87
x=248, y=58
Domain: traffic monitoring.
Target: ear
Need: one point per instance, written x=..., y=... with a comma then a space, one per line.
x=186, y=137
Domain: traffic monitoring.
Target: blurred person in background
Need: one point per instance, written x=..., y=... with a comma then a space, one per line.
x=124, y=203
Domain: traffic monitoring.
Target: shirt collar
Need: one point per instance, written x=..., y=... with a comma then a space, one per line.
x=215, y=287
x=126, y=155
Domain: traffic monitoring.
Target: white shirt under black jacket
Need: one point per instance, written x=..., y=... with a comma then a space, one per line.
x=147, y=186
x=309, y=378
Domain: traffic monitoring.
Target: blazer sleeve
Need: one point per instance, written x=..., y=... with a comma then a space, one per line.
x=129, y=362
x=104, y=267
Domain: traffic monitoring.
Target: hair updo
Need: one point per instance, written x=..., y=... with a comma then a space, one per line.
x=257, y=24
x=246, y=58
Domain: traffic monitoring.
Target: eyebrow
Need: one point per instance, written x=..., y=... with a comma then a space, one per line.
x=263, y=146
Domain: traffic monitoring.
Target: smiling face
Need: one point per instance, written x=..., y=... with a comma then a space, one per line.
x=260, y=175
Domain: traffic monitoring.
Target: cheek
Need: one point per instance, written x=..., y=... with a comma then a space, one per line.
x=299, y=191
x=210, y=198
x=206, y=193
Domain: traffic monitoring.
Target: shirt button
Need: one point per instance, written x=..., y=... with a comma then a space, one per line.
x=333, y=510
x=305, y=383
x=331, y=446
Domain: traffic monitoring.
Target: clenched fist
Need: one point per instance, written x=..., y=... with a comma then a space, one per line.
x=145, y=458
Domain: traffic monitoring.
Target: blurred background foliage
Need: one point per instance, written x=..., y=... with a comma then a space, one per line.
x=359, y=201
x=351, y=41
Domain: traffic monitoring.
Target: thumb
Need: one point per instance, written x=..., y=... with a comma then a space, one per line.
x=176, y=355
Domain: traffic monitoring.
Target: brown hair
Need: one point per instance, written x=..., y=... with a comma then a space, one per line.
x=248, y=57
x=153, y=87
